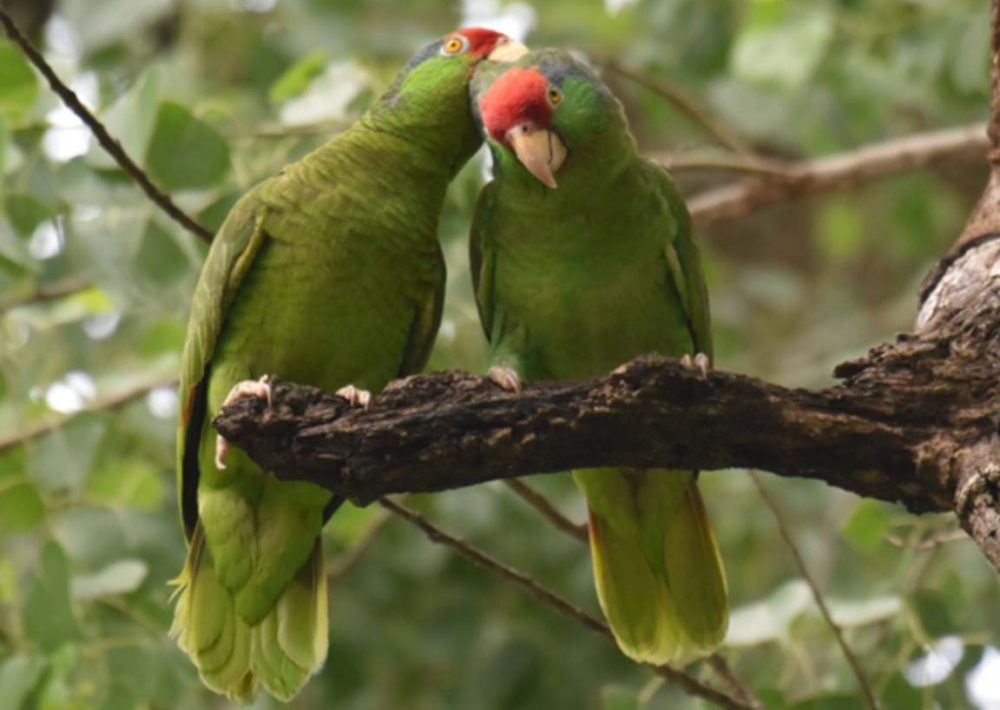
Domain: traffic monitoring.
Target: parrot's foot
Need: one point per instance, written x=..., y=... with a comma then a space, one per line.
x=699, y=362
x=506, y=378
x=241, y=390
x=356, y=397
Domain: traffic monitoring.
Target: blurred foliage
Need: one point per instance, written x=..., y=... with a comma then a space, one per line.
x=213, y=95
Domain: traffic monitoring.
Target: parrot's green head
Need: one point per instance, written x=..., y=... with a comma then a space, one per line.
x=428, y=103
x=549, y=115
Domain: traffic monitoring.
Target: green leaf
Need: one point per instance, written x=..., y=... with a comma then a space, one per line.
x=783, y=49
x=119, y=577
x=297, y=77
x=970, y=65
x=215, y=214
x=160, y=261
x=47, y=615
x=185, y=152
x=935, y=615
x=19, y=676
x=21, y=506
x=841, y=230
x=867, y=526
x=862, y=612
x=128, y=481
x=130, y=120
x=25, y=212
x=900, y=694
x=61, y=459
x=92, y=536
x=617, y=697
x=18, y=85
x=350, y=523
x=768, y=620
x=832, y=701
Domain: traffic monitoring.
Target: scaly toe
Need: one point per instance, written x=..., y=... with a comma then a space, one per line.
x=242, y=390
x=506, y=378
x=221, y=449
x=702, y=363
x=251, y=388
x=356, y=397
x=699, y=362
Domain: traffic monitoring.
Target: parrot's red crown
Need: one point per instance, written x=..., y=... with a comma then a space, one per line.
x=481, y=40
x=518, y=95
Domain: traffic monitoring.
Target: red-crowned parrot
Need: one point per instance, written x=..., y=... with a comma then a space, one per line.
x=582, y=258
x=328, y=274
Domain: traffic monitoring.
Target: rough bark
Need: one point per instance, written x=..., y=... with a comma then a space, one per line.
x=915, y=421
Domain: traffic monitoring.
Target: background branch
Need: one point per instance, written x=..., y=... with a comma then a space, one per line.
x=113, y=401
x=863, y=685
x=685, y=104
x=835, y=172
x=46, y=292
x=545, y=595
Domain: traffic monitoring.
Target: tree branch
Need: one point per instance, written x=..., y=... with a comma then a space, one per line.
x=112, y=401
x=544, y=506
x=112, y=146
x=901, y=427
x=45, y=292
x=863, y=685
x=546, y=596
x=685, y=104
x=835, y=172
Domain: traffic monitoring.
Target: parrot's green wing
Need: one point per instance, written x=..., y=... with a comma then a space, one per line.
x=684, y=263
x=481, y=257
x=233, y=251
x=425, y=325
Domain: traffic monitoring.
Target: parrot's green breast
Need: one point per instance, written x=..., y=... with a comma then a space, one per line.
x=585, y=290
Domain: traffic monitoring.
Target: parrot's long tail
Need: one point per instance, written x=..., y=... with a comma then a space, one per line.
x=657, y=567
x=280, y=652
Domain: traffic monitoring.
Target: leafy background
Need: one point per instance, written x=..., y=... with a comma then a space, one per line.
x=213, y=95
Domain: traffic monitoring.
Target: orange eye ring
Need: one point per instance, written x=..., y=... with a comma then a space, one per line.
x=554, y=96
x=456, y=44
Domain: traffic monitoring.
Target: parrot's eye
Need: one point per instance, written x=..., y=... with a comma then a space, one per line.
x=456, y=44
x=554, y=96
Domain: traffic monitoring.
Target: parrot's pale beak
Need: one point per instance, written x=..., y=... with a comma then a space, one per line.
x=507, y=50
x=539, y=150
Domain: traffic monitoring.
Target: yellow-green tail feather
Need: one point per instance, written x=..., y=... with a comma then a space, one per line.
x=657, y=567
x=280, y=652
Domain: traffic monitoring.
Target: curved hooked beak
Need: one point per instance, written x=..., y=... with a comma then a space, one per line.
x=539, y=150
x=507, y=50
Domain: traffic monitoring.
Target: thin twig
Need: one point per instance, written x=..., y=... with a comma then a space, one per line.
x=547, y=596
x=544, y=506
x=675, y=162
x=940, y=538
x=113, y=401
x=688, y=106
x=852, y=661
x=721, y=666
x=47, y=292
x=112, y=146
x=346, y=562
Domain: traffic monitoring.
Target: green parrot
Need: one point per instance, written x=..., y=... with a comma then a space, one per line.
x=328, y=274
x=575, y=278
